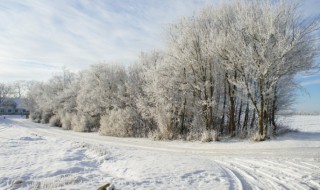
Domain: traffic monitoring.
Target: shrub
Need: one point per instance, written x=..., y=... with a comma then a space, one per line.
x=84, y=123
x=164, y=135
x=45, y=117
x=119, y=123
x=154, y=135
x=55, y=121
x=209, y=136
x=35, y=116
x=66, y=121
x=75, y=122
x=165, y=126
x=257, y=137
x=248, y=133
x=193, y=136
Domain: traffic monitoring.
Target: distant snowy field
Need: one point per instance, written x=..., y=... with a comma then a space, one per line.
x=306, y=123
x=44, y=157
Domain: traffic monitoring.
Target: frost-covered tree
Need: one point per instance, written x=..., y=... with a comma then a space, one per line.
x=155, y=101
x=5, y=92
x=56, y=97
x=197, y=68
x=138, y=100
x=102, y=90
x=264, y=42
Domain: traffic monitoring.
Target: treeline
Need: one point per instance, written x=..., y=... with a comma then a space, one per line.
x=226, y=71
x=13, y=90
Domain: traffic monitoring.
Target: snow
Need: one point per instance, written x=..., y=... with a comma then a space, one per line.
x=44, y=157
x=305, y=123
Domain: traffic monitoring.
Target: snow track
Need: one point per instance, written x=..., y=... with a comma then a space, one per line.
x=235, y=179
x=51, y=158
x=270, y=175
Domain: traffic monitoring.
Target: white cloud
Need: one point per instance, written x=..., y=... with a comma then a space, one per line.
x=311, y=82
x=40, y=37
x=44, y=36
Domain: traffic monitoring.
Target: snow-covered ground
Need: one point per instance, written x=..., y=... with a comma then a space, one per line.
x=45, y=157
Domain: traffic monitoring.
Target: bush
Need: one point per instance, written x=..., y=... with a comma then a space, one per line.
x=75, y=122
x=45, y=117
x=66, y=121
x=84, y=123
x=248, y=133
x=35, y=116
x=154, y=135
x=193, y=136
x=119, y=123
x=209, y=136
x=164, y=135
x=55, y=121
x=165, y=126
x=257, y=137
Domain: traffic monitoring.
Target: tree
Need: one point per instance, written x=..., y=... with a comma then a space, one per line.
x=5, y=92
x=197, y=67
x=102, y=89
x=265, y=43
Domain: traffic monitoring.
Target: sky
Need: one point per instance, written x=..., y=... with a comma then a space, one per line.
x=39, y=38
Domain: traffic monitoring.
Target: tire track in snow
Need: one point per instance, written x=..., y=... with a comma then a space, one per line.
x=297, y=172
x=263, y=179
x=286, y=169
x=300, y=166
x=313, y=166
x=295, y=168
x=236, y=180
x=294, y=177
x=278, y=176
x=250, y=178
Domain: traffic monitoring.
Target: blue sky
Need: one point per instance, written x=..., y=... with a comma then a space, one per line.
x=38, y=38
x=308, y=98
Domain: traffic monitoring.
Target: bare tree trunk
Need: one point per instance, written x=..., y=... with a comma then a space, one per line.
x=260, y=115
x=273, y=111
x=205, y=109
x=205, y=112
x=246, y=116
x=239, y=115
x=231, y=111
x=231, y=116
x=266, y=116
x=266, y=111
x=224, y=106
x=253, y=119
x=210, y=111
x=182, y=127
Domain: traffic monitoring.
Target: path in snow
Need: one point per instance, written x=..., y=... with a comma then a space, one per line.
x=51, y=158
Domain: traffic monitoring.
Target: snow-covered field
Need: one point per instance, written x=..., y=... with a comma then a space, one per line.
x=45, y=157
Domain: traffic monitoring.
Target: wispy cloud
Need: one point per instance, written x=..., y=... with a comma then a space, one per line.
x=36, y=35
x=40, y=37
x=311, y=82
